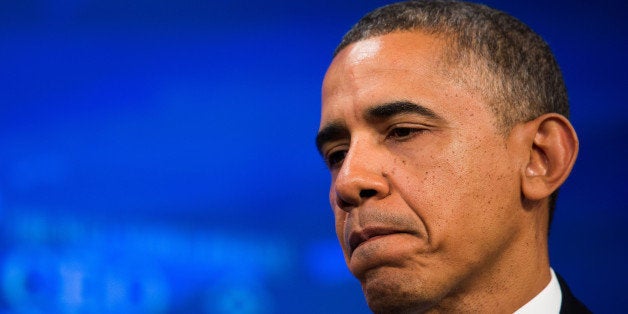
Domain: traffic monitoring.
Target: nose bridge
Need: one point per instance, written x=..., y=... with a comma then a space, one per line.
x=362, y=174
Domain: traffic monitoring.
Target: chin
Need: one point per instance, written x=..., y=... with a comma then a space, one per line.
x=389, y=291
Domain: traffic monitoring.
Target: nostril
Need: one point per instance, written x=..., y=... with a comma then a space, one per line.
x=347, y=203
x=367, y=193
x=344, y=205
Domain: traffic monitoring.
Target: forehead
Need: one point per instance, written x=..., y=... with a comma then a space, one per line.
x=400, y=66
x=399, y=51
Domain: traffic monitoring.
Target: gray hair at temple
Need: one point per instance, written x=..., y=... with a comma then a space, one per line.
x=515, y=69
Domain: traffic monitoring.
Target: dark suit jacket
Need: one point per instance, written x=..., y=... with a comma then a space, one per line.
x=570, y=304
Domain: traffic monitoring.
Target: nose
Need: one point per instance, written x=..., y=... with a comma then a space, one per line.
x=361, y=177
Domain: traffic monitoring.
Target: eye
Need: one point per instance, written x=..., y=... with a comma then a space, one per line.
x=335, y=158
x=403, y=133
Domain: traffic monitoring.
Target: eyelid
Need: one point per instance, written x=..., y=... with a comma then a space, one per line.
x=412, y=130
x=331, y=147
x=407, y=125
x=327, y=152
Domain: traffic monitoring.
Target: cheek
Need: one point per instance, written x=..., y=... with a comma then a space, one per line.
x=340, y=217
x=459, y=187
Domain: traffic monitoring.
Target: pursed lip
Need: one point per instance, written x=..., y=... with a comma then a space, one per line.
x=356, y=238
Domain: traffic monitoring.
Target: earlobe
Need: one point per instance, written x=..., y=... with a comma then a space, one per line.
x=553, y=149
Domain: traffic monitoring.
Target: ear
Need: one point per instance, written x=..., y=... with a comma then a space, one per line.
x=553, y=149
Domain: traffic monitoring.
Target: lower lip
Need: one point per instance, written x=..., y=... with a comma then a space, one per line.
x=374, y=239
x=386, y=250
x=389, y=243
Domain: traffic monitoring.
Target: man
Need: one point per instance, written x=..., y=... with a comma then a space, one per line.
x=444, y=126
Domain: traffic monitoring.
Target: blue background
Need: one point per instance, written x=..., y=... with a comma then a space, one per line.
x=157, y=156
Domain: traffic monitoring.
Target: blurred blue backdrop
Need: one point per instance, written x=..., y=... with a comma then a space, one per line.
x=157, y=156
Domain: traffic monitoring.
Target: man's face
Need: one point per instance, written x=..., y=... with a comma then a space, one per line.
x=424, y=190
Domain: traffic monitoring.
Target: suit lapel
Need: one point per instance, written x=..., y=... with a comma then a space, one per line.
x=570, y=305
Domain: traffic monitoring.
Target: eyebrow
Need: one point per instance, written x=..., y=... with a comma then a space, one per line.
x=337, y=130
x=388, y=110
x=331, y=132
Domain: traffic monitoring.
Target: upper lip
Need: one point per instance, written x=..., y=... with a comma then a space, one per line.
x=360, y=236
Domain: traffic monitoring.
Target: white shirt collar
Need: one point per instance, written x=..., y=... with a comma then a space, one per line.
x=548, y=301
